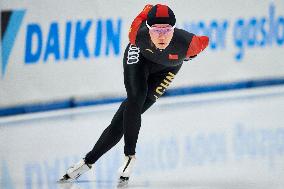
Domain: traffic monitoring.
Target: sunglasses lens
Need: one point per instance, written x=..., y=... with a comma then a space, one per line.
x=157, y=30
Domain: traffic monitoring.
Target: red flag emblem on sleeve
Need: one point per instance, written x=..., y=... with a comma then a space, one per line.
x=173, y=56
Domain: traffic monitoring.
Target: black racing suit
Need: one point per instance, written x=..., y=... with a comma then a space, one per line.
x=148, y=71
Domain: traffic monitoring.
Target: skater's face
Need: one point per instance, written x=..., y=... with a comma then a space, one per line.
x=161, y=35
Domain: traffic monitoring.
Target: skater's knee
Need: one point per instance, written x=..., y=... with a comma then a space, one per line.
x=137, y=96
x=136, y=100
x=152, y=98
x=115, y=128
x=134, y=106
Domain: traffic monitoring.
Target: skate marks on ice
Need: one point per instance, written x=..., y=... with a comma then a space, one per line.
x=82, y=184
x=151, y=184
x=203, y=184
x=99, y=184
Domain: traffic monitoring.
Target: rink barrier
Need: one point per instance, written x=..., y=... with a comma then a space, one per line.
x=190, y=90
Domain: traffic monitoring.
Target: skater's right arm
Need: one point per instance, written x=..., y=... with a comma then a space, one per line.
x=197, y=45
x=137, y=23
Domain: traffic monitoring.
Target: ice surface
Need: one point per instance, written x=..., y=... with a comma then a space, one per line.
x=224, y=140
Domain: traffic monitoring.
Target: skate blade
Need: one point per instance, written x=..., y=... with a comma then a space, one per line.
x=122, y=182
x=65, y=179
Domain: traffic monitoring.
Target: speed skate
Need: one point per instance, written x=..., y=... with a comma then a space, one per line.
x=75, y=171
x=125, y=170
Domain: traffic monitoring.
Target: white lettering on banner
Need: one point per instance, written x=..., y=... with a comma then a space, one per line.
x=133, y=55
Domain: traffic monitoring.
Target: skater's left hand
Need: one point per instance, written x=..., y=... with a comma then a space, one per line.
x=190, y=58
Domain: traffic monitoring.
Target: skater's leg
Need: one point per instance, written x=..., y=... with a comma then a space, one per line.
x=129, y=113
x=112, y=134
x=158, y=80
x=140, y=84
x=135, y=81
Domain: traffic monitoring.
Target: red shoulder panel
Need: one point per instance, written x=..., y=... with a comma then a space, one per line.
x=137, y=22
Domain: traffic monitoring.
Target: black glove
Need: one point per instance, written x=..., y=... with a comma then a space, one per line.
x=190, y=58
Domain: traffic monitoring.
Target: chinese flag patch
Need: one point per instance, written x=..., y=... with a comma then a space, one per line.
x=173, y=56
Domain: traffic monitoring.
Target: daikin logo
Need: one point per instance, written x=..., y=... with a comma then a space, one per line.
x=11, y=21
x=56, y=41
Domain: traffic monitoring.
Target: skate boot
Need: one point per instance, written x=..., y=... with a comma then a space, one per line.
x=76, y=171
x=125, y=170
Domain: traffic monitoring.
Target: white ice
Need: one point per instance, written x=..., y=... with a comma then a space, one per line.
x=222, y=140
